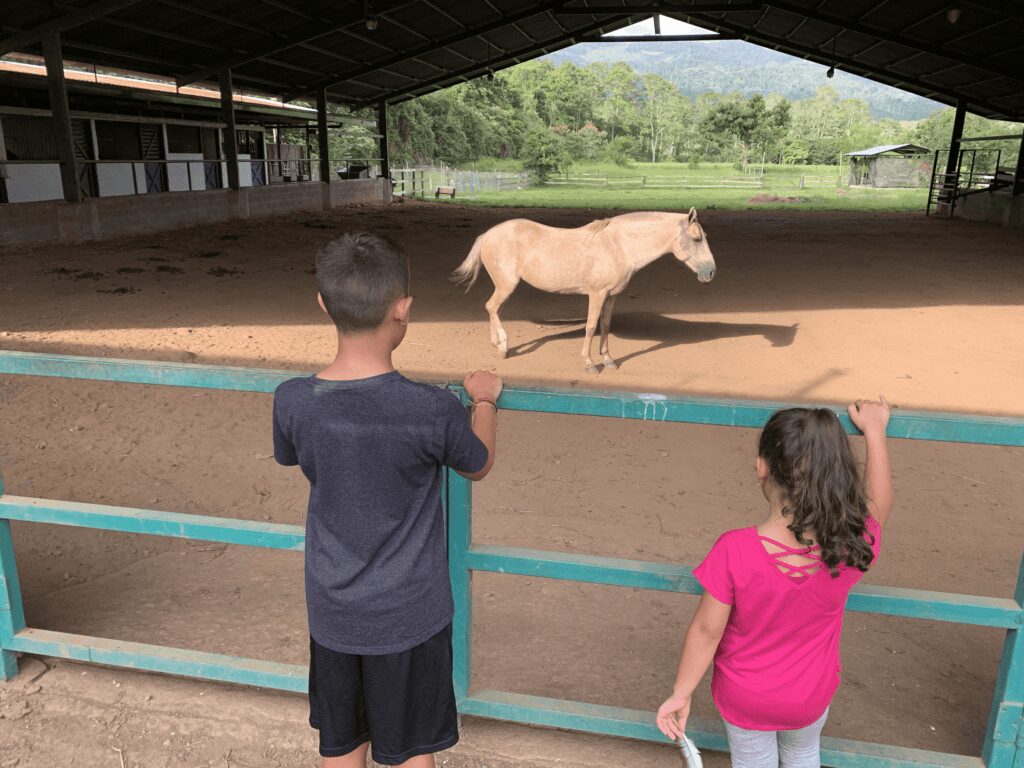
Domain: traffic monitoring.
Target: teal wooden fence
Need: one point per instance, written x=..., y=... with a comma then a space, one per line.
x=1003, y=746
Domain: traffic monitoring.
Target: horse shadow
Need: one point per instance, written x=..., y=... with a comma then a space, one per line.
x=667, y=332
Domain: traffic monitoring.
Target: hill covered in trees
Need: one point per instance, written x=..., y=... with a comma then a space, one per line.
x=734, y=66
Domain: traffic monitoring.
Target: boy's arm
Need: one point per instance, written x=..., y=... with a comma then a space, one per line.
x=485, y=426
x=699, y=646
x=871, y=418
x=483, y=389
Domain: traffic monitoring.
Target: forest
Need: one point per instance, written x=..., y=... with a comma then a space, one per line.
x=546, y=116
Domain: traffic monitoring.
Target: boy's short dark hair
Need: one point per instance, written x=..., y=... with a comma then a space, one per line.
x=360, y=275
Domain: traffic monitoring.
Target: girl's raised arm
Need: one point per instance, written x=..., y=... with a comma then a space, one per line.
x=871, y=418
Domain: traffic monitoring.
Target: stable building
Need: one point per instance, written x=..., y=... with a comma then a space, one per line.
x=891, y=165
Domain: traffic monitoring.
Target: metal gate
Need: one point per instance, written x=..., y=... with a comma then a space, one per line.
x=151, y=138
x=82, y=148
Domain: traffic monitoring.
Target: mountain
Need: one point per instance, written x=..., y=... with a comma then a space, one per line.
x=733, y=65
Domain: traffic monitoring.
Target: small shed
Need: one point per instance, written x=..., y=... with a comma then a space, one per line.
x=891, y=165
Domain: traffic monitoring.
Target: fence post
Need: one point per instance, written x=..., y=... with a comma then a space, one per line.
x=1003, y=748
x=12, y=616
x=460, y=536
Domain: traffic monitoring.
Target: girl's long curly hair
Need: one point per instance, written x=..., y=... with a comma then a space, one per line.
x=809, y=458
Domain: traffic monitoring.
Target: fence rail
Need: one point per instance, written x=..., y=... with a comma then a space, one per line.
x=422, y=181
x=645, y=181
x=1004, y=741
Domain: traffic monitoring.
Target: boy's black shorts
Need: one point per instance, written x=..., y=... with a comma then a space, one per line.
x=402, y=703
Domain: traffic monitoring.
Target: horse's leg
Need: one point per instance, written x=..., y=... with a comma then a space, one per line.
x=502, y=290
x=606, y=327
x=593, y=315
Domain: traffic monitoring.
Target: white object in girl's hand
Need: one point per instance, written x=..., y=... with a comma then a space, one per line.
x=690, y=752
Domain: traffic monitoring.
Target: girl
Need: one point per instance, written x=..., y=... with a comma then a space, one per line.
x=772, y=610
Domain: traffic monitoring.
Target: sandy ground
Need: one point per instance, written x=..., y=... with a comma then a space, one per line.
x=820, y=307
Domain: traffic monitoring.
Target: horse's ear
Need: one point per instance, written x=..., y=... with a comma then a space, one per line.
x=693, y=215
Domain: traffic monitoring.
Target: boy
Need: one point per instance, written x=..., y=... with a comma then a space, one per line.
x=372, y=445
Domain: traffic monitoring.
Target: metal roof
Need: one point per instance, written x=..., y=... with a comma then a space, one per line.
x=295, y=47
x=903, y=149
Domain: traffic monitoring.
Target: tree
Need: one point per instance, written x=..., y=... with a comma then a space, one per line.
x=619, y=109
x=750, y=122
x=545, y=153
x=662, y=103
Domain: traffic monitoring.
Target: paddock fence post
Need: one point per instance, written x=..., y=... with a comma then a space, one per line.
x=1004, y=736
x=460, y=536
x=12, y=616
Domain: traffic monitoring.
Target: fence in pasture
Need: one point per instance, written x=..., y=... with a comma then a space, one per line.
x=1003, y=746
x=423, y=181
x=651, y=181
x=696, y=181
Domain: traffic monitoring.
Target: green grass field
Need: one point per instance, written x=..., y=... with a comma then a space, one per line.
x=703, y=199
x=820, y=191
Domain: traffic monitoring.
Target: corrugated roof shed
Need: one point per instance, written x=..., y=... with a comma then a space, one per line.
x=902, y=149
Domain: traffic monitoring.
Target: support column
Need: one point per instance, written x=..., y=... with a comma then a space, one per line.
x=227, y=111
x=61, y=117
x=3, y=164
x=12, y=616
x=953, y=161
x=382, y=132
x=1018, y=177
x=323, y=143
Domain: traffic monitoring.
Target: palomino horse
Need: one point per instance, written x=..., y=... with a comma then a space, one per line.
x=597, y=259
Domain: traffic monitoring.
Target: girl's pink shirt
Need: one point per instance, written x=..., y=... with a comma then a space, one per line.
x=777, y=665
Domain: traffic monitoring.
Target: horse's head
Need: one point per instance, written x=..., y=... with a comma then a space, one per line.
x=691, y=247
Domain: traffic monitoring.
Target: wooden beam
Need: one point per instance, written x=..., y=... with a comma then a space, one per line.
x=227, y=112
x=518, y=56
x=63, y=23
x=824, y=57
x=403, y=56
x=304, y=34
x=323, y=138
x=658, y=8
x=922, y=46
x=58, y=88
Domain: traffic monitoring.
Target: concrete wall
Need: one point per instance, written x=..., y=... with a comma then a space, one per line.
x=108, y=217
x=994, y=207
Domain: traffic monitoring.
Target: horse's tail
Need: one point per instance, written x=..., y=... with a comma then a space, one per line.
x=470, y=268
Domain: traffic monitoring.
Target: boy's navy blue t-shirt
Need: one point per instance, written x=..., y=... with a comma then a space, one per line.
x=372, y=449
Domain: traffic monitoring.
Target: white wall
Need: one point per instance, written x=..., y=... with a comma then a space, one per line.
x=244, y=171
x=116, y=178
x=178, y=173
x=32, y=182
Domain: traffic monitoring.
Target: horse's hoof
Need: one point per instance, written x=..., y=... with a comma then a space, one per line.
x=503, y=353
x=610, y=364
x=593, y=369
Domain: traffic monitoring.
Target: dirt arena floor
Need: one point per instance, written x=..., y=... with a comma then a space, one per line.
x=821, y=307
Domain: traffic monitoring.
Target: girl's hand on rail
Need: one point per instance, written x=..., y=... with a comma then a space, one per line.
x=870, y=416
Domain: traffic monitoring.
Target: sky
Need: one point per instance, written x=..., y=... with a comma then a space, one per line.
x=669, y=26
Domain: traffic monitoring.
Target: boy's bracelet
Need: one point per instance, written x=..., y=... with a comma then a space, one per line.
x=491, y=403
